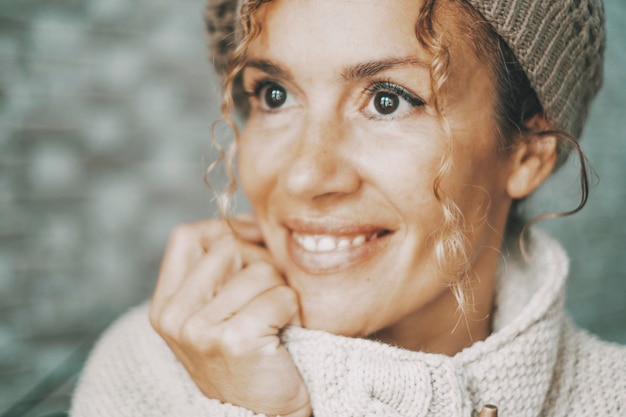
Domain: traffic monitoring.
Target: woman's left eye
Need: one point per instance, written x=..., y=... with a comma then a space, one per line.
x=386, y=103
x=389, y=100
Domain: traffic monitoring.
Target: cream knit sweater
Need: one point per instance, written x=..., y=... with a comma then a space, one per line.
x=536, y=363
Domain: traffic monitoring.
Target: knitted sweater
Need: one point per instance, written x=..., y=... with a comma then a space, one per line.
x=535, y=363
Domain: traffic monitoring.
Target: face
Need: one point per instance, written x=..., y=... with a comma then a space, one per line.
x=339, y=156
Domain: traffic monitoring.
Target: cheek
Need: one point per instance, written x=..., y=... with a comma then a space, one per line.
x=257, y=167
x=247, y=168
x=265, y=148
x=476, y=185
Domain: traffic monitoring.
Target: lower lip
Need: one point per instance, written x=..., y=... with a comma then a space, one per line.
x=335, y=260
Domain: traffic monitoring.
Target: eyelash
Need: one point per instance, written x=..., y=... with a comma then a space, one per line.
x=378, y=86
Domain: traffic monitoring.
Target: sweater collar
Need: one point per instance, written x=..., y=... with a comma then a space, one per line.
x=512, y=368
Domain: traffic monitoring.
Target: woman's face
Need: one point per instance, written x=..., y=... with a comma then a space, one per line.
x=339, y=156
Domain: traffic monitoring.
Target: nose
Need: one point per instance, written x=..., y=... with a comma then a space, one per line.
x=323, y=165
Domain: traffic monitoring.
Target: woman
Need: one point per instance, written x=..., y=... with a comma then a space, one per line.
x=385, y=149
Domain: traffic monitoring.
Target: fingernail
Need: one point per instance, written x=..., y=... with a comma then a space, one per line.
x=489, y=410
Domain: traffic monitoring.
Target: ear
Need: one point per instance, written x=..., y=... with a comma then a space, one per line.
x=533, y=160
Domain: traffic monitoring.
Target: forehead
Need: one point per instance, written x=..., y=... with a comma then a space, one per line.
x=338, y=30
x=311, y=35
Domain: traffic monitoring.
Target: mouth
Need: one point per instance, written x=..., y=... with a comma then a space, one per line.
x=323, y=251
x=329, y=243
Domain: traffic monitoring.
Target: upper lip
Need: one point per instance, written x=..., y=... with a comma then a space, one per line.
x=333, y=226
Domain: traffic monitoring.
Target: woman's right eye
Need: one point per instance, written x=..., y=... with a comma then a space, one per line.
x=274, y=96
x=271, y=95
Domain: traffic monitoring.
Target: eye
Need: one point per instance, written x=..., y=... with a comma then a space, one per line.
x=273, y=95
x=389, y=100
x=386, y=103
x=270, y=95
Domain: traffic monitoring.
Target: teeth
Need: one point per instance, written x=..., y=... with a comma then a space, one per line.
x=343, y=243
x=309, y=243
x=326, y=243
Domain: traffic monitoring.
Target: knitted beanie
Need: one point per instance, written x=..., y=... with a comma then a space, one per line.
x=559, y=44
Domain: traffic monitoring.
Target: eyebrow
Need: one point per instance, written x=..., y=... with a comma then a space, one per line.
x=371, y=68
x=269, y=68
x=351, y=73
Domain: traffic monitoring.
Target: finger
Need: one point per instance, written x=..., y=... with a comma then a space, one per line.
x=262, y=318
x=242, y=228
x=184, y=249
x=247, y=217
x=252, y=328
x=206, y=280
x=251, y=253
x=247, y=227
x=198, y=288
x=181, y=254
x=207, y=275
x=240, y=290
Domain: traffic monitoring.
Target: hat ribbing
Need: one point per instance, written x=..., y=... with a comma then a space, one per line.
x=559, y=43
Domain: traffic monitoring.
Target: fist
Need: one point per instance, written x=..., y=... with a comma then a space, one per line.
x=220, y=304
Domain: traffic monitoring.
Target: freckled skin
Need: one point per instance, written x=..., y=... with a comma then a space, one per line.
x=326, y=156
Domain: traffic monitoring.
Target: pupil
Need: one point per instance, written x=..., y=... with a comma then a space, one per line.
x=275, y=96
x=386, y=103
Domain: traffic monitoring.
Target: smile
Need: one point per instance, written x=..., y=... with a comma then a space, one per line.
x=319, y=252
x=328, y=243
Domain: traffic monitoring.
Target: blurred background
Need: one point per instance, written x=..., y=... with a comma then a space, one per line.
x=105, y=111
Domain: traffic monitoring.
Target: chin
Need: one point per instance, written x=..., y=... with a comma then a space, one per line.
x=340, y=314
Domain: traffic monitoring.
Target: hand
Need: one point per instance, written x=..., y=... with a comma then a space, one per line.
x=219, y=304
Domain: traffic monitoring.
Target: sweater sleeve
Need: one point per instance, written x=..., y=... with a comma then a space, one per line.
x=132, y=372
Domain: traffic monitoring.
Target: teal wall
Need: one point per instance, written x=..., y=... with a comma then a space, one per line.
x=105, y=107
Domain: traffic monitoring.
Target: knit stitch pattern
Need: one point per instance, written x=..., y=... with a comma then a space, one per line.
x=535, y=363
x=560, y=44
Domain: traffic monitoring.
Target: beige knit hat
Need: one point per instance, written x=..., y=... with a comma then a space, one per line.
x=559, y=43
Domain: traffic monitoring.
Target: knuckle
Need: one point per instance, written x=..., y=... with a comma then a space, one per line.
x=233, y=342
x=226, y=247
x=224, y=243
x=154, y=317
x=288, y=298
x=211, y=232
x=287, y=294
x=215, y=229
x=200, y=337
x=193, y=334
x=167, y=323
x=180, y=233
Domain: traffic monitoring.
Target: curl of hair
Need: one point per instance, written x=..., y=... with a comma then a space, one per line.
x=450, y=244
x=249, y=28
